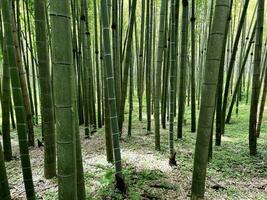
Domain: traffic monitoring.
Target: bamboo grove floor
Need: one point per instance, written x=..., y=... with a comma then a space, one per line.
x=232, y=174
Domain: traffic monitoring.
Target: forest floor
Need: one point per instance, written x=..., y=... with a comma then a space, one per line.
x=232, y=173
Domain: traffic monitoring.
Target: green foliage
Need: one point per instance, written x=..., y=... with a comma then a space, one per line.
x=89, y=175
x=136, y=181
x=151, y=175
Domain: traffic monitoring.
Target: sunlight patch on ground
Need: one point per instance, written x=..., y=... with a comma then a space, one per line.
x=146, y=160
x=228, y=139
x=140, y=160
x=97, y=161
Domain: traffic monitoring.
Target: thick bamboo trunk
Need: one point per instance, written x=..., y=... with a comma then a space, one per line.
x=255, y=82
x=208, y=96
x=13, y=57
x=47, y=109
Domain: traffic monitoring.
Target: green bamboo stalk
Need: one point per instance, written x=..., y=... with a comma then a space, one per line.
x=131, y=91
x=29, y=31
x=131, y=82
x=173, y=81
x=238, y=82
x=4, y=187
x=88, y=66
x=263, y=100
x=64, y=98
x=116, y=52
x=140, y=65
x=98, y=86
x=6, y=101
x=23, y=81
x=79, y=65
x=79, y=161
x=255, y=81
x=47, y=110
x=153, y=21
x=204, y=40
x=13, y=57
x=219, y=97
x=193, y=73
x=232, y=62
x=249, y=77
x=208, y=96
x=12, y=113
x=108, y=132
x=112, y=97
x=160, y=50
x=127, y=61
x=148, y=67
x=25, y=54
x=165, y=70
x=85, y=63
x=183, y=71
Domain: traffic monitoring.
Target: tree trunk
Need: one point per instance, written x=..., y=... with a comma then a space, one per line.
x=208, y=96
x=140, y=64
x=97, y=66
x=255, y=81
x=238, y=83
x=193, y=73
x=47, y=109
x=229, y=76
x=6, y=102
x=263, y=100
x=160, y=50
x=18, y=98
x=4, y=187
x=173, y=79
x=183, y=71
x=127, y=64
x=64, y=98
x=120, y=185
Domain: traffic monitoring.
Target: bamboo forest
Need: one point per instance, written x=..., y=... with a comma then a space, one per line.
x=133, y=99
